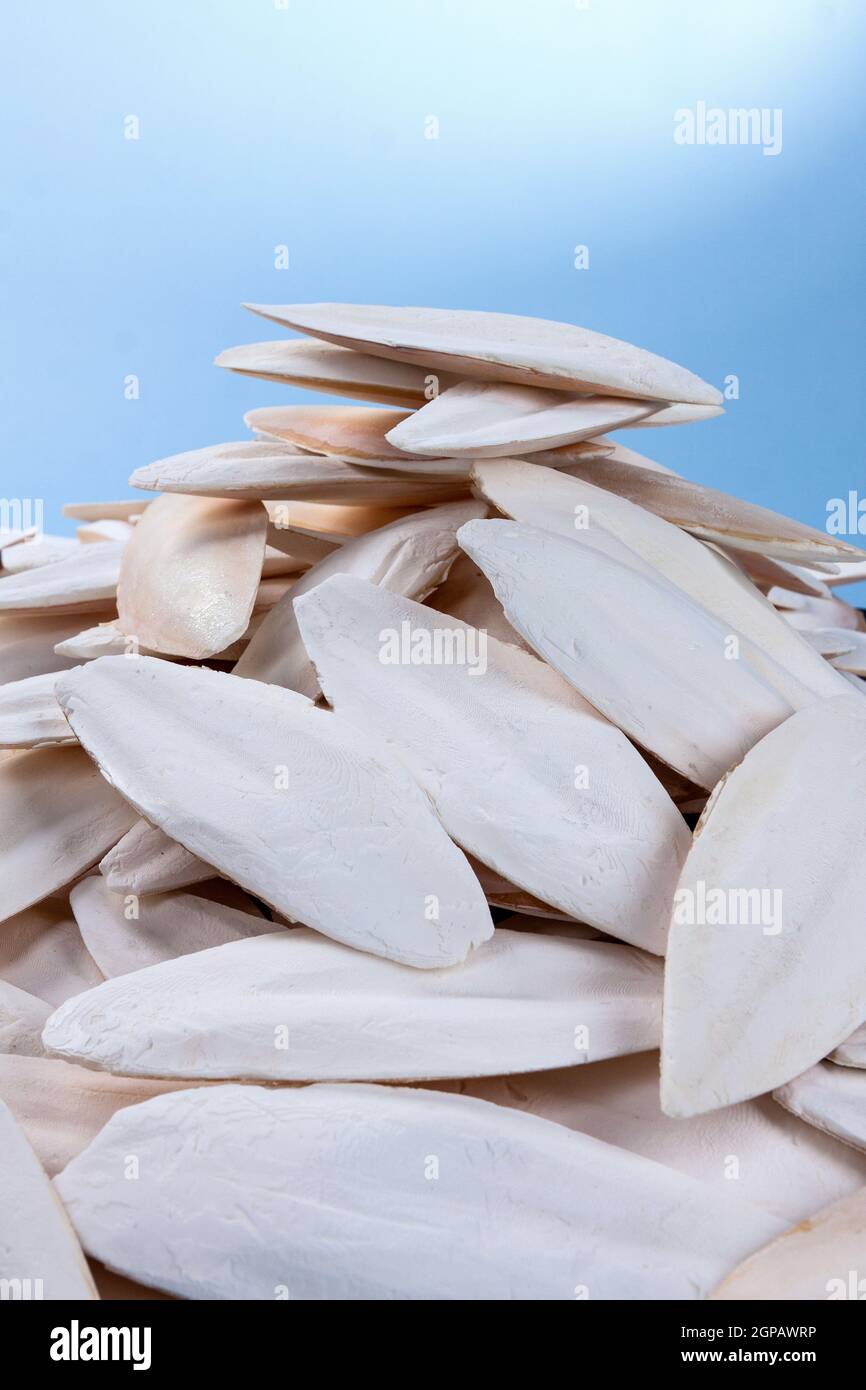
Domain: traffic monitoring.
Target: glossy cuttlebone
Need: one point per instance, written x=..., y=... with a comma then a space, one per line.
x=43, y=953
x=766, y=909
x=521, y=1002
x=58, y=816
x=497, y=740
x=716, y=516
x=411, y=556
x=287, y=800
x=146, y=860
x=61, y=1108
x=245, y=1188
x=754, y=1149
x=39, y=1254
x=571, y=507
x=831, y=1098
x=317, y=366
x=83, y=582
x=30, y=716
x=190, y=575
x=821, y=1259
x=498, y=347
x=162, y=927
x=639, y=649
x=478, y=419
x=273, y=471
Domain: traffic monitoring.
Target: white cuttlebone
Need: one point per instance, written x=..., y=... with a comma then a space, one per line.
x=108, y=529
x=852, y=1052
x=498, y=347
x=190, y=575
x=43, y=952
x=411, y=556
x=478, y=419
x=621, y=453
x=328, y=522
x=779, y=1164
x=466, y=595
x=818, y=1260
x=27, y=644
x=82, y=583
x=715, y=516
x=750, y=1005
x=522, y=1002
x=108, y=639
x=844, y=648
x=22, y=1018
x=31, y=555
x=163, y=927
x=37, y=1243
x=58, y=816
x=846, y=574
x=767, y=573
x=496, y=749
x=146, y=860
x=129, y=508
x=677, y=415
x=811, y=613
x=61, y=1108
x=598, y=622
x=244, y=1188
x=833, y=1099
x=338, y=371
x=272, y=471
x=285, y=799
x=571, y=507
x=30, y=716
x=13, y=535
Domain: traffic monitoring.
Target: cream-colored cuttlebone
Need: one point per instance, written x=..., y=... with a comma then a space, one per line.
x=22, y=1018
x=820, y=1259
x=523, y=1001
x=82, y=583
x=146, y=860
x=523, y=773
x=40, y=1257
x=498, y=347
x=190, y=575
x=317, y=366
x=30, y=716
x=766, y=967
x=644, y=653
x=831, y=1098
x=287, y=800
x=411, y=556
x=243, y=1189
x=43, y=952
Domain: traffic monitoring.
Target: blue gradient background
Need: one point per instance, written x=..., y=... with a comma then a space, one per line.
x=304, y=125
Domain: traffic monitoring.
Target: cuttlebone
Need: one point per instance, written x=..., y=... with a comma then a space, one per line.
x=31, y=555
x=466, y=594
x=108, y=529
x=287, y=800
x=676, y=415
x=715, y=516
x=190, y=575
x=767, y=573
x=411, y=556
x=523, y=773
x=349, y=431
x=22, y=1018
x=124, y=936
x=814, y=613
x=329, y=522
x=28, y=644
x=30, y=716
x=479, y=419
x=833, y=1099
x=571, y=507
x=755, y=1149
x=106, y=511
x=851, y=1052
x=43, y=952
x=83, y=582
x=263, y=470
x=521, y=1002
x=146, y=860
x=317, y=366
x=750, y=1004
x=819, y=1259
x=38, y=1247
x=246, y=1189
x=61, y=1108
x=844, y=648
x=57, y=818
x=498, y=347
x=639, y=649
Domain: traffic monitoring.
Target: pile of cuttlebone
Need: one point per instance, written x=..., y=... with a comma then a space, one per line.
x=252, y=859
